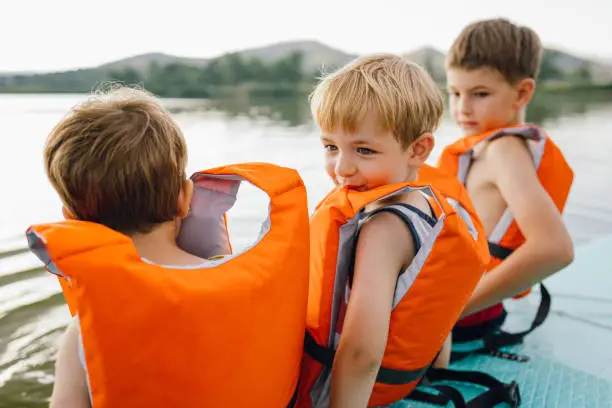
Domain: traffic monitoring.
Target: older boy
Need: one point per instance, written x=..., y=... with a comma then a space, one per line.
x=516, y=177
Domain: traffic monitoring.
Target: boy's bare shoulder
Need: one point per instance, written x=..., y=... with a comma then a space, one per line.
x=386, y=227
x=505, y=154
x=385, y=235
x=501, y=146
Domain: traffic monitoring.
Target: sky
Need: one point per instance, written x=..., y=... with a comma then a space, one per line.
x=45, y=35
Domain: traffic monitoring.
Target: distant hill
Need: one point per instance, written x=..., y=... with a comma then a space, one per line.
x=600, y=72
x=79, y=80
x=143, y=61
x=431, y=59
x=316, y=57
x=12, y=73
x=566, y=64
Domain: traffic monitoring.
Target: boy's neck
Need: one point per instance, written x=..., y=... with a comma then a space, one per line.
x=413, y=174
x=518, y=120
x=159, y=246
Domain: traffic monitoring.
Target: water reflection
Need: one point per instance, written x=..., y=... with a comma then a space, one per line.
x=294, y=110
x=549, y=106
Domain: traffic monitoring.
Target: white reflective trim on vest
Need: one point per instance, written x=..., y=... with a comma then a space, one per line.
x=206, y=264
x=38, y=246
x=203, y=232
x=539, y=150
x=507, y=218
x=527, y=132
x=427, y=236
x=501, y=227
x=320, y=391
x=465, y=160
x=81, y=355
x=423, y=190
x=343, y=266
x=465, y=216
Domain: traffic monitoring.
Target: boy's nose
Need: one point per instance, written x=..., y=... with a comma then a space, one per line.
x=464, y=106
x=345, y=167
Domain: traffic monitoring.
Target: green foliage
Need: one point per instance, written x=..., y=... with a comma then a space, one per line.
x=128, y=75
x=437, y=72
x=548, y=68
x=234, y=74
x=582, y=75
x=227, y=74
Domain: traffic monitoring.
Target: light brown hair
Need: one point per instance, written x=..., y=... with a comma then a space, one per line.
x=404, y=97
x=118, y=159
x=514, y=51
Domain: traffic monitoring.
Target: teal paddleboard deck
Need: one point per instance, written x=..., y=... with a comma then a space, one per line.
x=542, y=383
x=570, y=355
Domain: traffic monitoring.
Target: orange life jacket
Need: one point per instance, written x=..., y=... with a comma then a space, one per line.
x=452, y=189
x=554, y=174
x=228, y=335
x=430, y=293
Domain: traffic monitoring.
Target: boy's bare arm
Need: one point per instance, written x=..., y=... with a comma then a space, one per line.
x=384, y=247
x=70, y=388
x=443, y=359
x=548, y=246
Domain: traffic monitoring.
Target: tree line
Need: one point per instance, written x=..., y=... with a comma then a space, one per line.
x=221, y=75
x=228, y=75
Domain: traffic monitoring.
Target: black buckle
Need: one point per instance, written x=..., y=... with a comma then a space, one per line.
x=507, y=355
x=513, y=395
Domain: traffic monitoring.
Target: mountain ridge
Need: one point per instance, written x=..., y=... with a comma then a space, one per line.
x=317, y=55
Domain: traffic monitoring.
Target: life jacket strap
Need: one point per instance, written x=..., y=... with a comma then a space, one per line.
x=502, y=338
x=493, y=338
x=320, y=354
x=462, y=334
x=497, y=391
x=390, y=376
x=498, y=251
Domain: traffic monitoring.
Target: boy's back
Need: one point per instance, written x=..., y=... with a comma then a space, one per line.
x=155, y=324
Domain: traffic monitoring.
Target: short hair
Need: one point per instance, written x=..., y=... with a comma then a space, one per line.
x=118, y=159
x=402, y=94
x=514, y=51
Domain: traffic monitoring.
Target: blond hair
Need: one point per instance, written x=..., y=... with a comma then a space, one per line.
x=118, y=159
x=401, y=94
x=514, y=51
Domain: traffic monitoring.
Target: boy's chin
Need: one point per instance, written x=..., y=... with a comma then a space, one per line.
x=479, y=130
x=470, y=131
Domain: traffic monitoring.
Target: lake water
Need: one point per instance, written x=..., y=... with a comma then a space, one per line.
x=32, y=311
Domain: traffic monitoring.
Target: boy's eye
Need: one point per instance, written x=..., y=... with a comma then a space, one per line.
x=365, y=150
x=481, y=94
x=330, y=148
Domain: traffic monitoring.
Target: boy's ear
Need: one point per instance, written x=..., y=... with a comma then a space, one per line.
x=524, y=92
x=421, y=148
x=184, y=198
